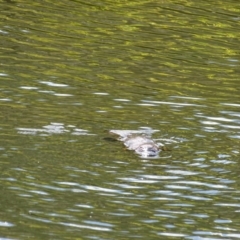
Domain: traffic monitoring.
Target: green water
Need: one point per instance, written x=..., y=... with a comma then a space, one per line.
x=70, y=71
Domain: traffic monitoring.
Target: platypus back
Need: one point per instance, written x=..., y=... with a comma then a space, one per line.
x=138, y=141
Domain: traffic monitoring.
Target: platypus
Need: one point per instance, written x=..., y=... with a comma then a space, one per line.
x=139, y=141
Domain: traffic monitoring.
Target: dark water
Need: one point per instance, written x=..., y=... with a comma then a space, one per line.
x=70, y=71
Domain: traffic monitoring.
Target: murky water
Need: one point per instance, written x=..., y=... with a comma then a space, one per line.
x=71, y=71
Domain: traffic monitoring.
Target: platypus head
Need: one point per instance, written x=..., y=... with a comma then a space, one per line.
x=147, y=150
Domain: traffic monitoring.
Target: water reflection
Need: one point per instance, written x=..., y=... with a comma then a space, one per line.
x=54, y=128
x=71, y=71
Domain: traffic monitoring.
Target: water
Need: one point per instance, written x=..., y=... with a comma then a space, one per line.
x=71, y=71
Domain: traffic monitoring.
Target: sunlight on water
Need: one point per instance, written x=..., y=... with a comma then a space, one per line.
x=159, y=72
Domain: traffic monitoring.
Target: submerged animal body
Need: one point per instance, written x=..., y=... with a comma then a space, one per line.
x=139, y=141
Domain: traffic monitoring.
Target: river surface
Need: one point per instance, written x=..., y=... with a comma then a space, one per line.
x=70, y=71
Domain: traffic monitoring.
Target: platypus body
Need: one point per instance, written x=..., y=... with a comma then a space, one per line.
x=139, y=141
